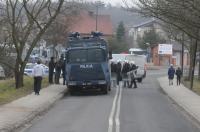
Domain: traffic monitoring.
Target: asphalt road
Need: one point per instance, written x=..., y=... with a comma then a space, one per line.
x=145, y=109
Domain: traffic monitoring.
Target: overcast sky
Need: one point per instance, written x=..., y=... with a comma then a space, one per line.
x=113, y=2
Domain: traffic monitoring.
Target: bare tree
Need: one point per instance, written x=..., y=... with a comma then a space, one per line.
x=26, y=24
x=57, y=33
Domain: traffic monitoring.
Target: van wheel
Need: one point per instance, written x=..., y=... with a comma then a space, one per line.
x=104, y=90
x=71, y=91
x=109, y=89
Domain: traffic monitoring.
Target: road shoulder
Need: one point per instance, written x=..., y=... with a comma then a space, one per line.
x=19, y=112
x=185, y=98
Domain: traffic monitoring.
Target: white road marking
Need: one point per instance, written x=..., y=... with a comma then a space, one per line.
x=115, y=109
x=117, y=121
x=110, y=127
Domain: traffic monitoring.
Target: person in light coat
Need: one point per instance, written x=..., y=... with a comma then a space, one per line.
x=133, y=71
x=38, y=73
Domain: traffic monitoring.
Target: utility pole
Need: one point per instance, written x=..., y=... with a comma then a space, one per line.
x=97, y=5
x=97, y=16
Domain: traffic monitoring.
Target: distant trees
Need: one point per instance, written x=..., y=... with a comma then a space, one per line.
x=118, y=43
x=149, y=38
x=120, y=32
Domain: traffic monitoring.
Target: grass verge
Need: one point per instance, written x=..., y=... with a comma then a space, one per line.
x=196, y=86
x=8, y=92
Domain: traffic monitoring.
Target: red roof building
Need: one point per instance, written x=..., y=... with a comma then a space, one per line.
x=86, y=22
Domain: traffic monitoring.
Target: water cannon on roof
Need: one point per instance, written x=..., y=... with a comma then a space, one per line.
x=96, y=34
x=74, y=35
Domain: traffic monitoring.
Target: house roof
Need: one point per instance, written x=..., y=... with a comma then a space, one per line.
x=147, y=23
x=86, y=22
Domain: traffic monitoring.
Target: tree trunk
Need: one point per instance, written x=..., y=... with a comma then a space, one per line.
x=19, y=75
x=191, y=61
x=193, y=64
x=190, y=68
x=199, y=63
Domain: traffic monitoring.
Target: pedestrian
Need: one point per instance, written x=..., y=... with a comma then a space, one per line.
x=145, y=70
x=125, y=69
x=64, y=71
x=38, y=72
x=58, y=69
x=171, y=73
x=113, y=73
x=178, y=75
x=118, y=72
x=51, y=70
x=133, y=71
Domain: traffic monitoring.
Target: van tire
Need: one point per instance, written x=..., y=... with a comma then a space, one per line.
x=104, y=90
x=71, y=90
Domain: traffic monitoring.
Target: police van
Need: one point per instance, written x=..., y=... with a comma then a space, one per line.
x=87, y=63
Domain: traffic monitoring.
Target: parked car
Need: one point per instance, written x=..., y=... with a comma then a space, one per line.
x=29, y=69
x=2, y=73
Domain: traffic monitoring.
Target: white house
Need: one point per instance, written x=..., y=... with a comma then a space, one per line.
x=138, y=30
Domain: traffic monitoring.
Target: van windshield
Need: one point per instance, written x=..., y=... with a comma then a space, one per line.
x=86, y=55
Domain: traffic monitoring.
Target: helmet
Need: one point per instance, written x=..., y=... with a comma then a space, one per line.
x=132, y=62
x=126, y=61
x=118, y=60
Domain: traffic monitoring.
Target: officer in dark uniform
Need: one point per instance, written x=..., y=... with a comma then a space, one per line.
x=58, y=68
x=64, y=71
x=51, y=70
x=118, y=71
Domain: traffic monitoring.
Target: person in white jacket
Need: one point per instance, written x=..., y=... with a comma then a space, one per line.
x=38, y=73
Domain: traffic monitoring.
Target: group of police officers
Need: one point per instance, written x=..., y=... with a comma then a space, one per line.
x=57, y=67
x=120, y=71
x=125, y=71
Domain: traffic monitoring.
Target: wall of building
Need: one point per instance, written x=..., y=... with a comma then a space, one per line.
x=166, y=60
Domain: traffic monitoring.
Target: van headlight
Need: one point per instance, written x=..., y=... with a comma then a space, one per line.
x=101, y=82
x=72, y=83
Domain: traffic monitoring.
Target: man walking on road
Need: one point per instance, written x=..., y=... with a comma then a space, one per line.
x=171, y=73
x=38, y=72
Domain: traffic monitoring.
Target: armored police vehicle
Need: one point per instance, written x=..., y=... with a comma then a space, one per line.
x=87, y=63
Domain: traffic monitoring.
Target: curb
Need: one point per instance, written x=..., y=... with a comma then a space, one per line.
x=32, y=115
